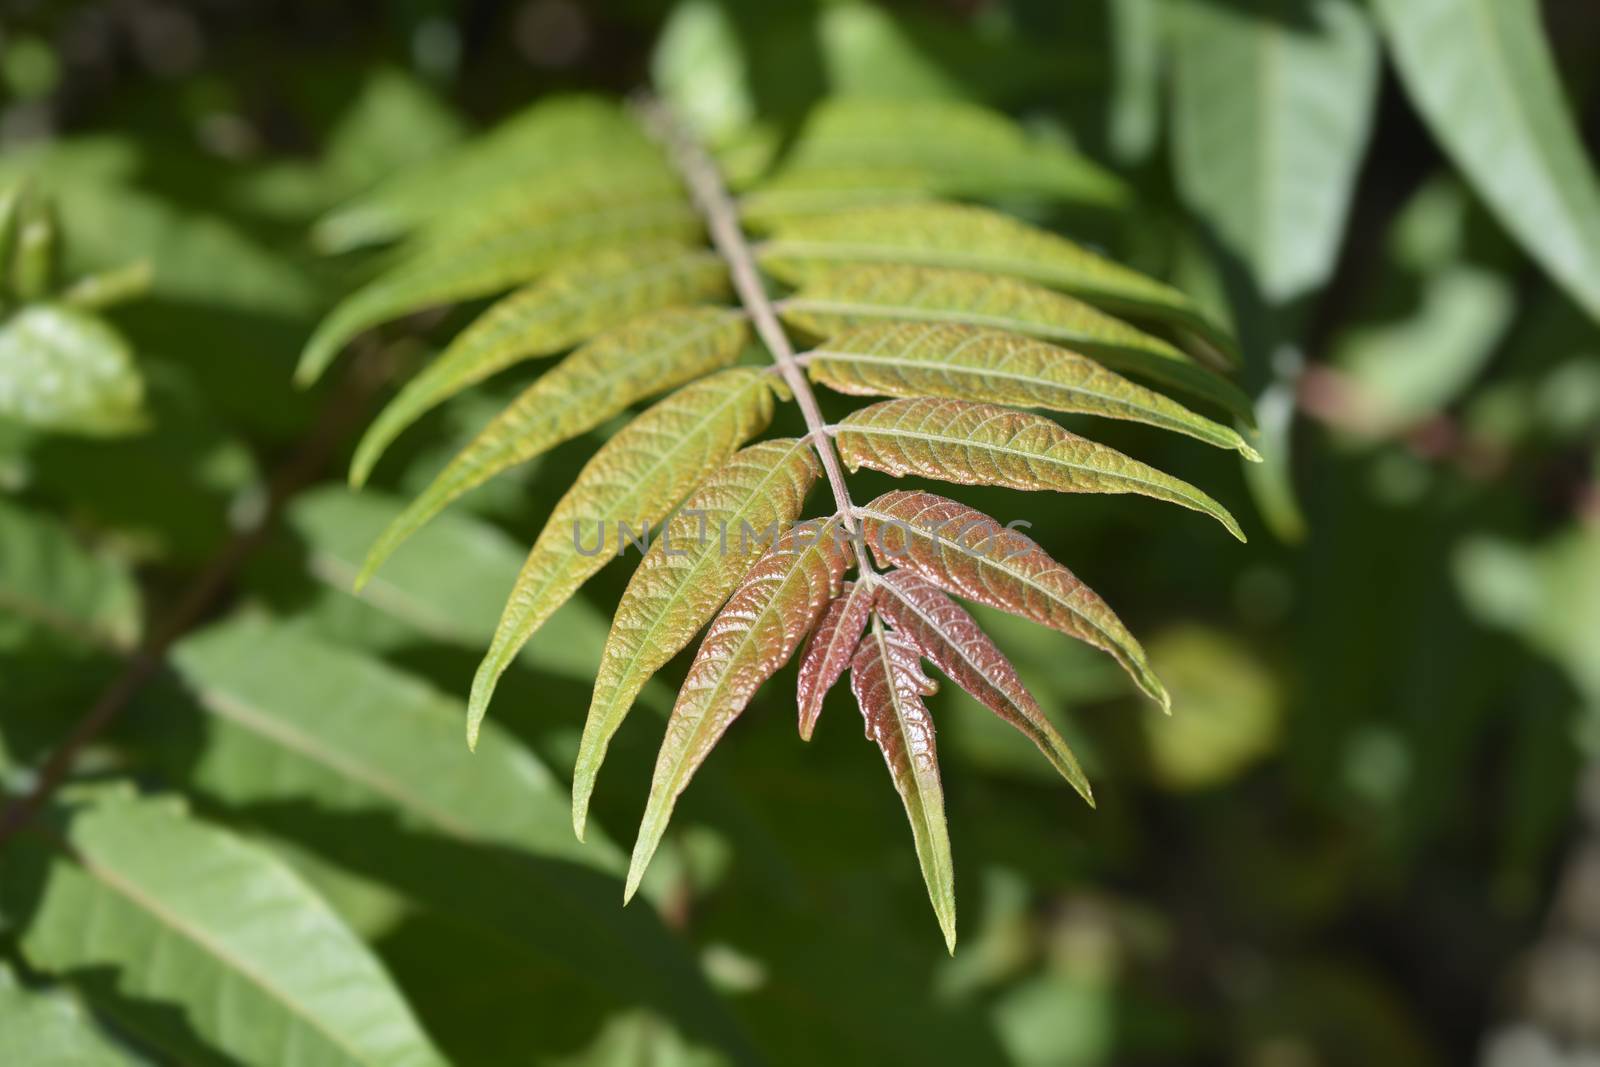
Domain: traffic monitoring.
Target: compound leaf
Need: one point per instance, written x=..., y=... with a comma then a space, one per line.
x=964, y=362
x=684, y=578
x=599, y=380
x=756, y=632
x=981, y=444
x=887, y=679
x=634, y=480
x=965, y=552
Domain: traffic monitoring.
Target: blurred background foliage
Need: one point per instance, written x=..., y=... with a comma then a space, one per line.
x=1363, y=837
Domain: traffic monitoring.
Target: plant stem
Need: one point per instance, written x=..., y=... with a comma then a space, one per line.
x=710, y=194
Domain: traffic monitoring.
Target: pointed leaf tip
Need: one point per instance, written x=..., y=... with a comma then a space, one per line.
x=757, y=631
x=887, y=679
x=969, y=443
x=991, y=564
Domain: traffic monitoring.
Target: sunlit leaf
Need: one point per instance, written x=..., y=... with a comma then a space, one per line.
x=48, y=1028
x=973, y=238
x=828, y=653
x=887, y=679
x=65, y=370
x=1290, y=88
x=544, y=148
x=966, y=553
x=698, y=559
x=964, y=362
x=193, y=916
x=568, y=305
x=942, y=147
x=600, y=380
x=756, y=632
x=633, y=481
x=1482, y=74
x=945, y=634
x=859, y=295
x=296, y=719
x=494, y=260
x=981, y=444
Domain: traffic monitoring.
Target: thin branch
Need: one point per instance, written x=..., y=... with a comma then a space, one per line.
x=710, y=194
x=336, y=420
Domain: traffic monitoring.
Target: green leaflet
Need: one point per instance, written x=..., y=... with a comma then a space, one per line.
x=963, y=362
x=599, y=380
x=1273, y=105
x=187, y=913
x=51, y=1029
x=293, y=717
x=545, y=148
x=495, y=260
x=966, y=553
x=944, y=633
x=569, y=304
x=1482, y=75
x=64, y=370
x=584, y=183
x=972, y=238
x=48, y=579
x=863, y=294
x=635, y=479
x=981, y=444
x=887, y=679
x=943, y=147
x=756, y=632
x=684, y=578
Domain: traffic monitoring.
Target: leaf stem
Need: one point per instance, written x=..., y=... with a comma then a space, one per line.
x=710, y=194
